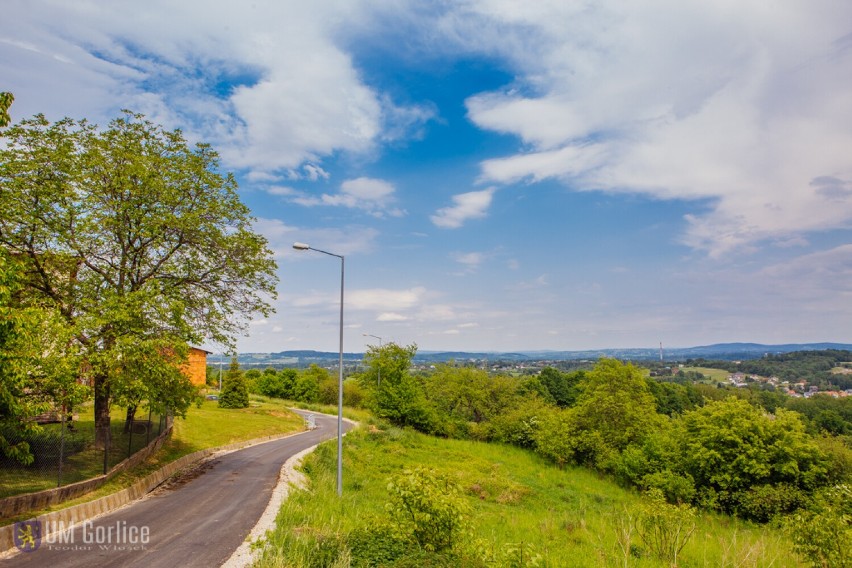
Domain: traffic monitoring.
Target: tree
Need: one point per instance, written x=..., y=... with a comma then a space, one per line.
x=469, y=394
x=399, y=397
x=749, y=460
x=617, y=404
x=234, y=389
x=134, y=237
x=563, y=387
x=38, y=365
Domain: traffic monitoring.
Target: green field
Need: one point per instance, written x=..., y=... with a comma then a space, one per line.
x=564, y=517
x=716, y=375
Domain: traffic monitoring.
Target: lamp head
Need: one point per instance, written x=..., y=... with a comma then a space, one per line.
x=301, y=246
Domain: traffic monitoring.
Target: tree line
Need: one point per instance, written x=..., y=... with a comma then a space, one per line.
x=815, y=367
x=719, y=449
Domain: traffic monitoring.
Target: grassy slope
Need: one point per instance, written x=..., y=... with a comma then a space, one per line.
x=570, y=516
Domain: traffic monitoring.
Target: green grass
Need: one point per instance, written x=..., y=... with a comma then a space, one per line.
x=569, y=517
x=716, y=375
x=205, y=427
x=83, y=460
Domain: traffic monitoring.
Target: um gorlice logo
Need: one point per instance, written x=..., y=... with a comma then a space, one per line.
x=27, y=535
x=118, y=536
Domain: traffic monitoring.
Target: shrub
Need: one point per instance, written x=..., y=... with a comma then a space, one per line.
x=762, y=503
x=234, y=389
x=664, y=529
x=518, y=426
x=674, y=487
x=426, y=507
x=823, y=535
x=376, y=543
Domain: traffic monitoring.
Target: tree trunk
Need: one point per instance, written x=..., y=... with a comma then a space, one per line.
x=102, y=420
x=128, y=421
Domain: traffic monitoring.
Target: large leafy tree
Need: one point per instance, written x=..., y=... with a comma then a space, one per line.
x=399, y=397
x=136, y=239
x=38, y=363
x=617, y=404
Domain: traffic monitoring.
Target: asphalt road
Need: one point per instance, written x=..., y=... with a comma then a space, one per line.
x=196, y=519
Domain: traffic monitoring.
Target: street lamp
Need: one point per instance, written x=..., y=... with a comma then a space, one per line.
x=303, y=246
x=378, y=367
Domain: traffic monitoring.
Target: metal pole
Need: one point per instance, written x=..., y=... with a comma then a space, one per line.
x=303, y=246
x=340, y=394
x=379, y=366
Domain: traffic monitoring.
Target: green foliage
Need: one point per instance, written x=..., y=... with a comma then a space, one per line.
x=616, y=404
x=676, y=488
x=6, y=100
x=520, y=424
x=564, y=388
x=730, y=446
x=673, y=398
x=426, y=507
x=39, y=363
x=234, y=389
x=129, y=234
x=376, y=543
x=400, y=397
x=823, y=534
x=554, y=437
x=278, y=385
x=664, y=529
x=465, y=394
x=307, y=385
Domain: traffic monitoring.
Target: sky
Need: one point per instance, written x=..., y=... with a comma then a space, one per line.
x=499, y=175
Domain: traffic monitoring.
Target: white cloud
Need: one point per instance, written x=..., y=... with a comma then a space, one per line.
x=744, y=106
x=375, y=196
x=384, y=299
x=297, y=98
x=471, y=205
x=391, y=317
x=471, y=259
x=344, y=241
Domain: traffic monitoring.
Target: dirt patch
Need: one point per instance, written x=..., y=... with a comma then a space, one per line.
x=186, y=475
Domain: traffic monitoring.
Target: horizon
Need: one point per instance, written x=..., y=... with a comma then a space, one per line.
x=497, y=176
x=716, y=346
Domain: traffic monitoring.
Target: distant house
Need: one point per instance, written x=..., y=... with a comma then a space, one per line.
x=196, y=366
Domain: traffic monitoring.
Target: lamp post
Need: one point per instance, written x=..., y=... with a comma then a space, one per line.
x=303, y=246
x=378, y=367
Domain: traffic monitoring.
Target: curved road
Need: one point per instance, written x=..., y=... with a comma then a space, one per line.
x=196, y=519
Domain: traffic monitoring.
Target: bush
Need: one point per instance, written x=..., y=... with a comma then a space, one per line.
x=376, y=544
x=763, y=503
x=664, y=529
x=823, y=534
x=674, y=487
x=234, y=392
x=425, y=507
x=518, y=426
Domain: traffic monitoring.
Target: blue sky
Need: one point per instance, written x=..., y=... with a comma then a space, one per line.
x=500, y=175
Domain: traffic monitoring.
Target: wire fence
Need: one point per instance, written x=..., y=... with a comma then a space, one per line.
x=64, y=450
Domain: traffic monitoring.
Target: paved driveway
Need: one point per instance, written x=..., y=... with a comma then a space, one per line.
x=197, y=519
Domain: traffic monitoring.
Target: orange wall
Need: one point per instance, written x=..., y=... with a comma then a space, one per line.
x=196, y=367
